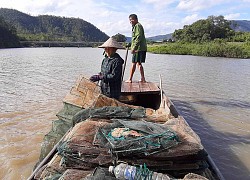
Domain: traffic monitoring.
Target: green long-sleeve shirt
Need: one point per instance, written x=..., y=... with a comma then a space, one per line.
x=138, y=41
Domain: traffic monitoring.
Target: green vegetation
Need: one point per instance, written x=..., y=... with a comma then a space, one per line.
x=205, y=30
x=120, y=37
x=52, y=28
x=8, y=37
x=211, y=37
x=210, y=49
x=240, y=37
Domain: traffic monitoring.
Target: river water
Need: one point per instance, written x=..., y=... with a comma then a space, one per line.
x=213, y=95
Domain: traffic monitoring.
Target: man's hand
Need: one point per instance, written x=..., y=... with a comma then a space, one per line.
x=128, y=45
x=133, y=51
x=96, y=77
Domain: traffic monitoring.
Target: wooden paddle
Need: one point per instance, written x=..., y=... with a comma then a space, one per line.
x=124, y=66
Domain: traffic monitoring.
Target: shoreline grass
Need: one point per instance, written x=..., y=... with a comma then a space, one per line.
x=209, y=49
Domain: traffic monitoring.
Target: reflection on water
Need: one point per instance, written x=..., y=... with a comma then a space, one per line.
x=211, y=93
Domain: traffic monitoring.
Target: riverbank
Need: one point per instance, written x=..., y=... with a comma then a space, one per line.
x=211, y=49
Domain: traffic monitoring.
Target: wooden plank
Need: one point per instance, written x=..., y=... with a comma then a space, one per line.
x=144, y=87
x=134, y=87
x=153, y=86
x=123, y=87
x=126, y=87
x=139, y=87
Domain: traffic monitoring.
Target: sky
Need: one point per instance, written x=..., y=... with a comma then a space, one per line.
x=158, y=17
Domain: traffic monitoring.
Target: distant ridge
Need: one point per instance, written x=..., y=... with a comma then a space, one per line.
x=160, y=37
x=52, y=28
x=155, y=38
x=241, y=25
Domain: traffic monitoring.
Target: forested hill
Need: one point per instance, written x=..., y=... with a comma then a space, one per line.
x=52, y=28
x=241, y=25
x=8, y=37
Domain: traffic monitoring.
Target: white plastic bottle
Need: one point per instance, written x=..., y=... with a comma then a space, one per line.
x=123, y=171
x=127, y=172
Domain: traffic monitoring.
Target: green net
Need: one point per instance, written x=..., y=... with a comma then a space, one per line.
x=67, y=112
x=109, y=112
x=59, y=128
x=137, y=137
x=90, y=143
x=108, y=131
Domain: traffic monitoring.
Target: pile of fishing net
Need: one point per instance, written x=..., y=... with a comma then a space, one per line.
x=105, y=131
x=91, y=143
x=97, y=141
x=86, y=95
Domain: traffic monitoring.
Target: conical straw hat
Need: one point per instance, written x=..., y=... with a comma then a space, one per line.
x=111, y=43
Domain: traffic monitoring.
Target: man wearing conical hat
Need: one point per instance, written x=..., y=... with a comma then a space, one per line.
x=111, y=70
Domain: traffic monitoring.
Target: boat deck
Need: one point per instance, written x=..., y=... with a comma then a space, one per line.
x=140, y=88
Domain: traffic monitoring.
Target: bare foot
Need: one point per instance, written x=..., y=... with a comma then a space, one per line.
x=142, y=81
x=128, y=81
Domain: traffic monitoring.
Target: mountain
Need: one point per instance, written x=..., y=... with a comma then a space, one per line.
x=160, y=37
x=8, y=37
x=52, y=28
x=241, y=25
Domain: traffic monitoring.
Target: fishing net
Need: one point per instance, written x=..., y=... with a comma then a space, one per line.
x=109, y=112
x=83, y=94
x=74, y=174
x=90, y=142
x=77, y=149
x=135, y=137
x=106, y=130
x=52, y=170
x=84, y=90
x=59, y=128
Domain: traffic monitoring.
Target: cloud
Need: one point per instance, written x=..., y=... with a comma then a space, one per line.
x=37, y=7
x=190, y=19
x=154, y=27
x=159, y=4
x=197, y=5
x=232, y=16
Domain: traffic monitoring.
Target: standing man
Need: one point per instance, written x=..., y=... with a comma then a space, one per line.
x=111, y=70
x=138, y=47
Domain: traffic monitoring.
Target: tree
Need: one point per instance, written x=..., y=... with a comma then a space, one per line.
x=8, y=37
x=205, y=30
x=120, y=37
x=220, y=27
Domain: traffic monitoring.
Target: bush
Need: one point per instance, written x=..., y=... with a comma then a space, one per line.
x=217, y=48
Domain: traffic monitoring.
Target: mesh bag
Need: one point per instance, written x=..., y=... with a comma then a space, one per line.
x=83, y=94
x=140, y=137
x=67, y=112
x=74, y=174
x=77, y=149
x=52, y=170
x=100, y=174
x=59, y=128
x=109, y=112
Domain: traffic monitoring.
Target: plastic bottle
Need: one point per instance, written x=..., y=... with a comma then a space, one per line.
x=127, y=172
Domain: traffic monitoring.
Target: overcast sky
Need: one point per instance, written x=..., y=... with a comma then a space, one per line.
x=157, y=16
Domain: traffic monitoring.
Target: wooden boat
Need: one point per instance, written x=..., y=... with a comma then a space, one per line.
x=189, y=156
